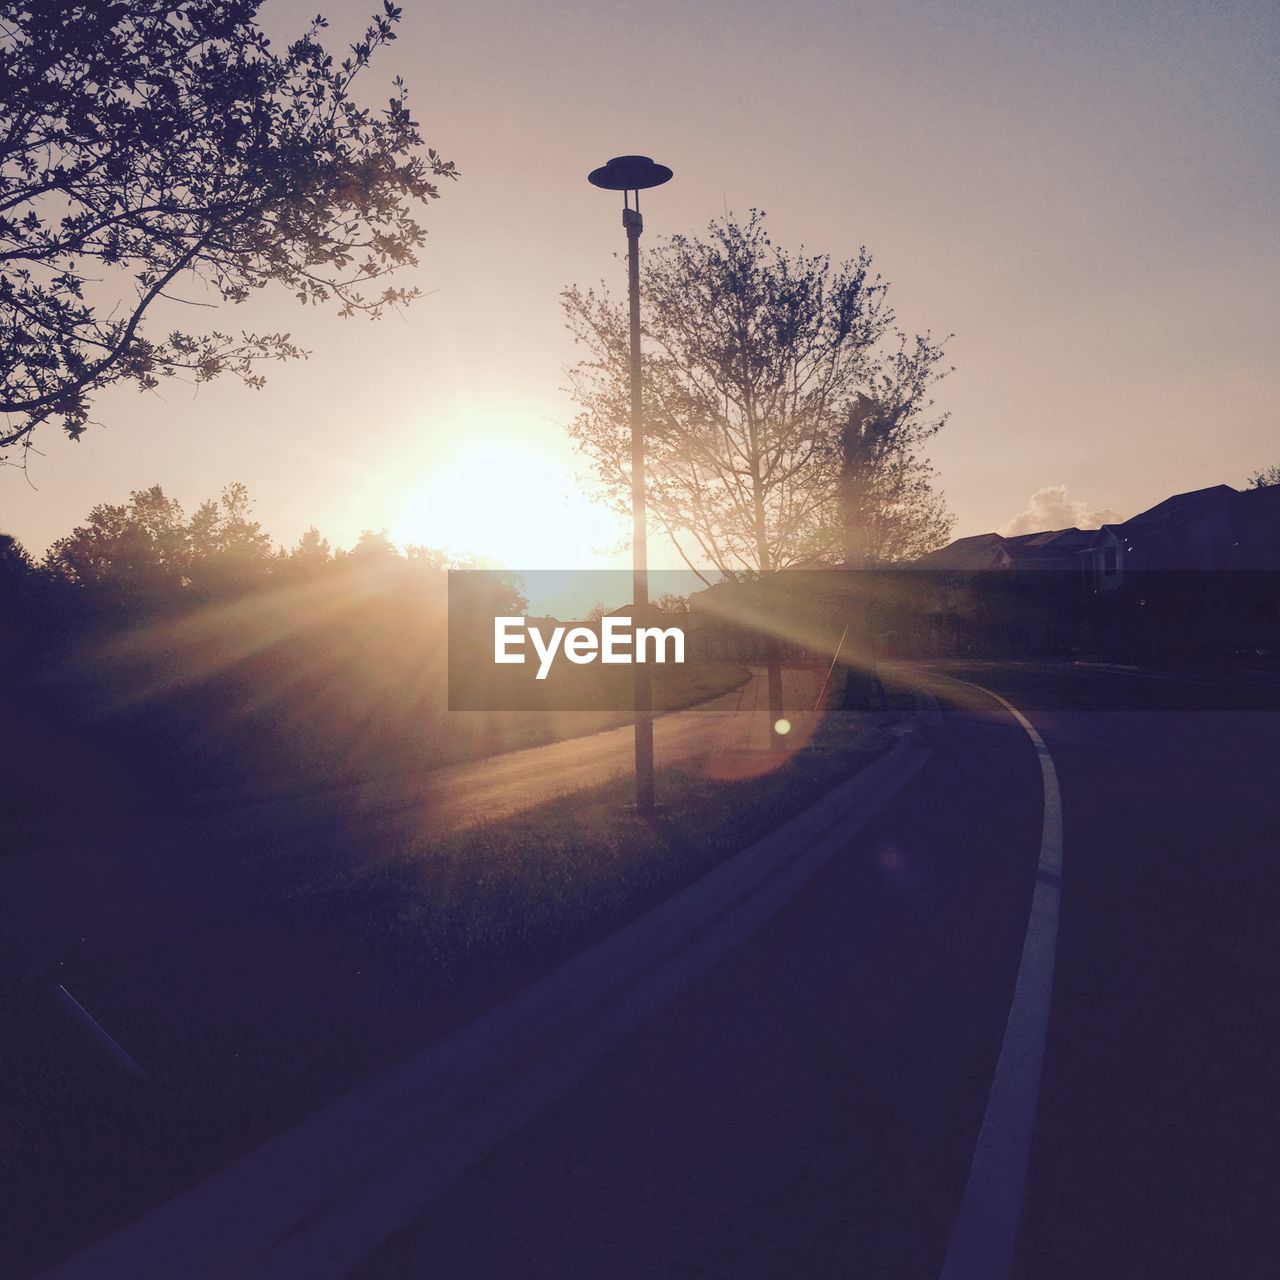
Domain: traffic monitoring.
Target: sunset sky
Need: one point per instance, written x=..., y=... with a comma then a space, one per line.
x=1085, y=194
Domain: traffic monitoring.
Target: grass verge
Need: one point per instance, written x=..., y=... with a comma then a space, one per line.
x=485, y=906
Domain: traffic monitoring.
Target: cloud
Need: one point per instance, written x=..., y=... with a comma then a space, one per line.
x=1050, y=508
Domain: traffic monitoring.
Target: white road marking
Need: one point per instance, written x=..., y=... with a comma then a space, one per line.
x=986, y=1228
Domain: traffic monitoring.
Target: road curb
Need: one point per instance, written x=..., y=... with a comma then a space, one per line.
x=316, y=1199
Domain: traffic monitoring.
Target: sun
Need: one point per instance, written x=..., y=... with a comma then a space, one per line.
x=507, y=504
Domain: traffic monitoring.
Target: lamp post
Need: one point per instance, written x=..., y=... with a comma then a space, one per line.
x=631, y=175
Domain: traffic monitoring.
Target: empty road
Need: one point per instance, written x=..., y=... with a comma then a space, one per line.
x=812, y=1106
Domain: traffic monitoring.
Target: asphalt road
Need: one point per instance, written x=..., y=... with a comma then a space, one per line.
x=811, y=1107
x=1157, y=1150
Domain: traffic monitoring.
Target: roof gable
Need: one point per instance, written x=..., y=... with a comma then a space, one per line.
x=1181, y=506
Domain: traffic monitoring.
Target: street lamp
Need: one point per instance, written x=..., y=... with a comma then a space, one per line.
x=631, y=175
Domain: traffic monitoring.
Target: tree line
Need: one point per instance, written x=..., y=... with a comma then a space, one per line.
x=149, y=549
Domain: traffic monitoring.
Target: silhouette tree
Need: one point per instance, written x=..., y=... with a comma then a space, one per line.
x=138, y=548
x=227, y=549
x=426, y=557
x=312, y=552
x=888, y=508
x=147, y=548
x=373, y=547
x=755, y=358
x=1264, y=478
x=147, y=145
x=18, y=590
x=16, y=563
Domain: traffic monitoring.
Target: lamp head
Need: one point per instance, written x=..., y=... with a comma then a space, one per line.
x=629, y=173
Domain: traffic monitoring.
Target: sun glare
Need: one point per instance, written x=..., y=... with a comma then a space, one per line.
x=509, y=505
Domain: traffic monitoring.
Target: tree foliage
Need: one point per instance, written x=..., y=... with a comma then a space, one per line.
x=888, y=509
x=755, y=359
x=148, y=550
x=1264, y=478
x=148, y=146
x=148, y=547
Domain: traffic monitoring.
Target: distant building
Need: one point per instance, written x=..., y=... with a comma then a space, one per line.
x=1057, y=549
x=1208, y=529
x=1196, y=573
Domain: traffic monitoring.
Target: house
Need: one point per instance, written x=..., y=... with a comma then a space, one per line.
x=1219, y=528
x=1196, y=573
x=1055, y=549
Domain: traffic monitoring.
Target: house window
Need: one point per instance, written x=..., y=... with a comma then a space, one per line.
x=1110, y=561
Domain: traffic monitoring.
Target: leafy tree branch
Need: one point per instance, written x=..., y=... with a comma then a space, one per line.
x=158, y=143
